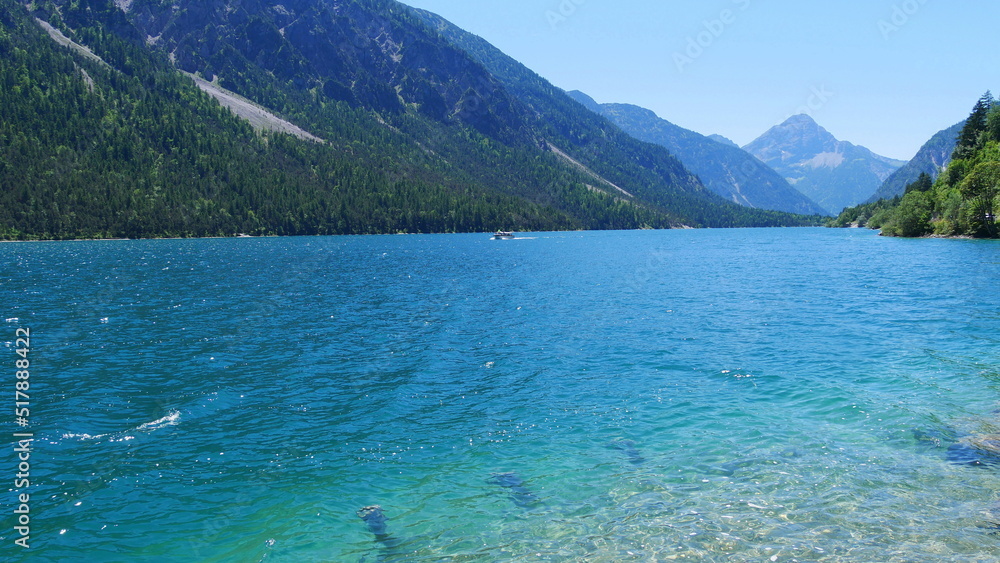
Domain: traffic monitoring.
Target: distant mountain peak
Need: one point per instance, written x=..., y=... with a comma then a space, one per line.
x=721, y=165
x=833, y=173
x=795, y=137
x=802, y=118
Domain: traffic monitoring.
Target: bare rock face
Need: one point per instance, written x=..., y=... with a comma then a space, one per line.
x=350, y=50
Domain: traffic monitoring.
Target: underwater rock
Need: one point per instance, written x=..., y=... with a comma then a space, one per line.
x=976, y=450
x=935, y=437
x=519, y=493
x=375, y=518
x=389, y=547
x=376, y=521
x=986, y=442
x=629, y=449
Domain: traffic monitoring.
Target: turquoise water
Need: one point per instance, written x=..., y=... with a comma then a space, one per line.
x=737, y=395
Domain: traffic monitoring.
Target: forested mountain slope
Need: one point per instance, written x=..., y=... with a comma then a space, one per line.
x=417, y=136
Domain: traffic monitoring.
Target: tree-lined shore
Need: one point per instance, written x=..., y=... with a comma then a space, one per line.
x=962, y=202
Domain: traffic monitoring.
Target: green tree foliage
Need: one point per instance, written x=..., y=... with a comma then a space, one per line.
x=865, y=215
x=979, y=190
x=963, y=201
x=912, y=217
x=993, y=123
x=923, y=184
x=971, y=137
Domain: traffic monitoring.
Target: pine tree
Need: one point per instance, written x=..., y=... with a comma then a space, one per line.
x=993, y=124
x=970, y=137
x=924, y=183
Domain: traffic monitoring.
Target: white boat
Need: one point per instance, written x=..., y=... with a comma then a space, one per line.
x=503, y=235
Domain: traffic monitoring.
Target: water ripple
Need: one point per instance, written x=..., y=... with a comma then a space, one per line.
x=712, y=395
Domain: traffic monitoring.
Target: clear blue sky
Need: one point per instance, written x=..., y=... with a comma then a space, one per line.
x=886, y=74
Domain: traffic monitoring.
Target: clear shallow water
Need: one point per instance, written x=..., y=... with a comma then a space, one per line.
x=670, y=395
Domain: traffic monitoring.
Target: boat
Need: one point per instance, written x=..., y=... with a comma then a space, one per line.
x=503, y=235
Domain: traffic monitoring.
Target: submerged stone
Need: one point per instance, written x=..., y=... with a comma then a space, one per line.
x=375, y=519
x=630, y=450
x=519, y=493
x=981, y=450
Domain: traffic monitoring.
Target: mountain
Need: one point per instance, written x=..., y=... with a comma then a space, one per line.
x=724, y=140
x=586, y=101
x=595, y=141
x=149, y=118
x=106, y=138
x=726, y=170
x=931, y=159
x=835, y=174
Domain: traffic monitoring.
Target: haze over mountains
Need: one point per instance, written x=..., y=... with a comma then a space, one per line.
x=723, y=167
x=835, y=174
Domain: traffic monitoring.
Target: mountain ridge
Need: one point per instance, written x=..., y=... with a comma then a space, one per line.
x=724, y=140
x=419, y=135
x=585, y=132
x=833, y=173
x=932, y=158
x=725, y=169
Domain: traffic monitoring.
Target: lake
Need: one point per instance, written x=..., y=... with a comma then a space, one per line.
x=708, y=395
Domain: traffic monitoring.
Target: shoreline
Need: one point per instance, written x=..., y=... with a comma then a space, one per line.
x=931, y=236
x=148, y=238
x=679, y=228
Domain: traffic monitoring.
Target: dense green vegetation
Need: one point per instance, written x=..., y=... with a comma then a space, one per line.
x=132, y=148
x=963, y=201
x=144, y=153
